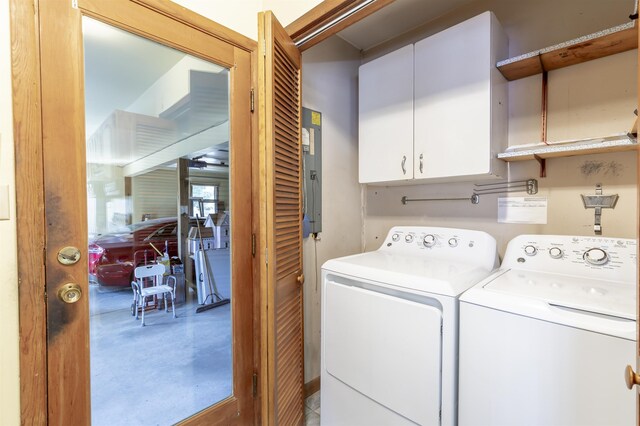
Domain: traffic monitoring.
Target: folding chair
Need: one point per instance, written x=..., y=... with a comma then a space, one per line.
x=148, y=283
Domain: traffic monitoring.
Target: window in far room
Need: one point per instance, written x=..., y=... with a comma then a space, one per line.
x=204, y=200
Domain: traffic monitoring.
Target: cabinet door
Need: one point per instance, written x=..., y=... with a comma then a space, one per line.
x=386, y=117
x=453, y=101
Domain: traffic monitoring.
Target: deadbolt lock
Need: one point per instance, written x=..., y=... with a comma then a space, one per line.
x=70, y=293
x=69, y=255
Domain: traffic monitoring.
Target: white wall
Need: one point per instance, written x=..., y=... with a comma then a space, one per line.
x=9, y=348
x=592, y=99
x=329, y=85
x=241, y=15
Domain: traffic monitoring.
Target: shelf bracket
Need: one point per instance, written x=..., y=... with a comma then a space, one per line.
x=545, y=103
x=542, y=162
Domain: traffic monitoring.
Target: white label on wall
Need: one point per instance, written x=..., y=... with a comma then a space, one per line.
x=522, y=210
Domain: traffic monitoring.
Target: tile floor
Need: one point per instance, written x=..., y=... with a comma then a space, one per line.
x=312, y=410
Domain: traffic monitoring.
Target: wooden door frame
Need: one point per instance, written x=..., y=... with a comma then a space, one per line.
x=636, y=388
x=30, y=190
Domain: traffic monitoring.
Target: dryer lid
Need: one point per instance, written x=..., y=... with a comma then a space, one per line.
x=612, y=298
x=444, y=277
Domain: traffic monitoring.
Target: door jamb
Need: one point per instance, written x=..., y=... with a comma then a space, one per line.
x=30, y=221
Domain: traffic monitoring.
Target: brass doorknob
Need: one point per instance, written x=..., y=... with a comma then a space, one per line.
x=631, y=377
x=70, y=293
x=300, y=279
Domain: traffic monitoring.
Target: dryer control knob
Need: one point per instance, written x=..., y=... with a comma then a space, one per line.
x=395, y=237
x=555, y=252
x=408, y=238
x=453, y=242
x=596, y=256
x=429, y=240
x=530, y=250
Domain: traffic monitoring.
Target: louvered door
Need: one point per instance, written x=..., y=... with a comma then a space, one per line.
x=280, y=84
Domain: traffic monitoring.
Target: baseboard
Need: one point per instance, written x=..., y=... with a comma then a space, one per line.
x=311, y=387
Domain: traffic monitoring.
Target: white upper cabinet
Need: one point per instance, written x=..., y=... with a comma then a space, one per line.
x=386, y=117
x=461, y=101
x=459, y=107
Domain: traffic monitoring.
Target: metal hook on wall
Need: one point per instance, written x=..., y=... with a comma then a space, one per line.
x=528, y=185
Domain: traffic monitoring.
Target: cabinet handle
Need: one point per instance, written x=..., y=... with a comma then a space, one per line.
x=421, y=162
x=404, y=161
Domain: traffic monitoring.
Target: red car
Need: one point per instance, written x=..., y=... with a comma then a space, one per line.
x=114, y=256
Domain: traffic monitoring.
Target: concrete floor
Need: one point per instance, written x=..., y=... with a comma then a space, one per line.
x=161, y=373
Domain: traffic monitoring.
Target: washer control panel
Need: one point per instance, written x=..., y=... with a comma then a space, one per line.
x=465, y=245
x=583, y=256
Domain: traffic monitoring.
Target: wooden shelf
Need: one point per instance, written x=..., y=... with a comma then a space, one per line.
x=616, y=143
x=540, y=152
x=593, y=46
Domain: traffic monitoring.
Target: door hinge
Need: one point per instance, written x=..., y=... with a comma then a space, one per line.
x=253, y=100
x=255, y=385
x=264, y=48
x=74, y=4
x=253, y=245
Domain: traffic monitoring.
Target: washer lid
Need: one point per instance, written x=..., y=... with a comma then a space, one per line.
x=445, y=277
x=613, y=298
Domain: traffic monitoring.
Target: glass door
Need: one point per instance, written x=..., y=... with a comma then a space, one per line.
x=161, y=347
x=154, y=316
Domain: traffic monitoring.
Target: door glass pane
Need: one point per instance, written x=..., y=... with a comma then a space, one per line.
x=157, y=126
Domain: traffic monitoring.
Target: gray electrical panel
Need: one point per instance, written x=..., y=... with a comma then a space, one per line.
x=312, y=169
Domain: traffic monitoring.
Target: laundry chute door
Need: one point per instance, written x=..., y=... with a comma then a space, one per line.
x=281, y=275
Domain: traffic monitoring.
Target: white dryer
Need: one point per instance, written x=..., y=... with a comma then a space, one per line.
x=390, y=326
x=546, y=338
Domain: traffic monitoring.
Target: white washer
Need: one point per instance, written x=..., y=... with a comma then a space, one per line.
x=546, y=338
x=390, y=324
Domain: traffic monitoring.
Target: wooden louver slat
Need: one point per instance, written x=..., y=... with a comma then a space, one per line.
x=288, y=332
x=282, y=75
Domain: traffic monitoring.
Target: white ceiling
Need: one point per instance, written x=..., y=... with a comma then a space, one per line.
x=395, y=19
